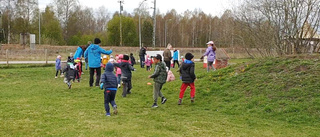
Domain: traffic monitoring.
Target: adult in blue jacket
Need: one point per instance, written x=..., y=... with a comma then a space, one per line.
x=175, y=58
x=93, y=54
x=79, y=54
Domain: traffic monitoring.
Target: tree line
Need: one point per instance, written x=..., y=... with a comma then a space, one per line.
x=261, y=24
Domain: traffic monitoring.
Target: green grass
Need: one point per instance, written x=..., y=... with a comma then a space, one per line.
x=270, y=97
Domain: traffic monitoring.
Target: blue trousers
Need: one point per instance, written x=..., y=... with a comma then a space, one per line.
x=109, y=96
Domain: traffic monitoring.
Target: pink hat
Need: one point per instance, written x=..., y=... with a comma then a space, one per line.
x=121, y=56
x=210, y=42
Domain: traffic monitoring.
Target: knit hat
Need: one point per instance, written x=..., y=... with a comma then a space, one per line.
x=125, y=57
x=189, y=56
x=97, y=41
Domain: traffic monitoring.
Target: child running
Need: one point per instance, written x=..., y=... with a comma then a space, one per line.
x=126, y=74
x=70, y=73
x=159, y=77
x=118, y=70
x=188, y=77
x=109, y=84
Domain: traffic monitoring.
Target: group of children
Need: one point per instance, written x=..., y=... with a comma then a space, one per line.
x=72, y=70
x=123, y=64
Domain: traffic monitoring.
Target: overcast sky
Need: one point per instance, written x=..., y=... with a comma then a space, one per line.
x=213, y=7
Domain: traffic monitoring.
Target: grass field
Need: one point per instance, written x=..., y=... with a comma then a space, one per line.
x=270, y=97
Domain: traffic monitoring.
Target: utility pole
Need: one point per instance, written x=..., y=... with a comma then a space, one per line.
x=140, y=23
x=154, y=24
x=9, y=20
x=121, y=9
x=39, y=24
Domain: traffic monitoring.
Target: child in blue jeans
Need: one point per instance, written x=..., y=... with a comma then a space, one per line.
x=109, y=84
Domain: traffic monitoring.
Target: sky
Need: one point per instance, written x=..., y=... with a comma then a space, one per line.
x=213, y=7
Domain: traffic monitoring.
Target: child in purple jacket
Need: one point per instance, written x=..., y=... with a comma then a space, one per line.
x=211, y=55
x=58, y=66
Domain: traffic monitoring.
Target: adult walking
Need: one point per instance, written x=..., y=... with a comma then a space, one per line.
x=176, y=58
x=93, y=53
x=167, y=56
x=211, y=55
x=142, y=54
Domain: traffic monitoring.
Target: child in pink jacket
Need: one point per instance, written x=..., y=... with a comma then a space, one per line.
x=170, y=76
x=148, y=63
x=118, y=70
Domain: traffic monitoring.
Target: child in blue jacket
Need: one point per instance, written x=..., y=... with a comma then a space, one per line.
x=109, y=84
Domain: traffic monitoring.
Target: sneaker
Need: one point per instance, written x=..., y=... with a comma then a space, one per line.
x=61, y=75
x=82, y=73
x=154, y=105
x=179, y=102
x=192, y=100
x=69, y=85
x=163, y=100
x=108, y=114
x=129, y=92
x=115, y=111
x=55, y=77
x=119, y=85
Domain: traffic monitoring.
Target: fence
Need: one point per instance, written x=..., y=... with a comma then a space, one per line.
x=49, y=53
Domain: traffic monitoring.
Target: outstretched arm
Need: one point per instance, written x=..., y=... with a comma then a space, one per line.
x=103, y=51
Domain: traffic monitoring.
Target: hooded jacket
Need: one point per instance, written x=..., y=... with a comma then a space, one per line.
x=70, y=71
x=108, y=78
x=58, y=64
x=78, y=54
x=93, y=53
x=160, y=73
x=175, y=55
x=210, y=53
x=126, y=69
x=187, y=72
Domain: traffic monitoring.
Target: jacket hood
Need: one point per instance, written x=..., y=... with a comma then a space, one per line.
x=210, y=48
x=187, y=64
x=109, y=67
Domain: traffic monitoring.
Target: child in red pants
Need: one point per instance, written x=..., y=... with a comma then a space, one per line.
x=188, y=77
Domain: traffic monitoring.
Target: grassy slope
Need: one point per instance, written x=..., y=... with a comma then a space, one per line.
x=272, y=97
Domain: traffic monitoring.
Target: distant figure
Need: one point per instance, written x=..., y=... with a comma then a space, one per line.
x=148, y=63
x=118, y=70
x=70, y=74
x=109, y=84
x=132, y=59
x=167, y=56
x=142, y=54
x=93, y=53
x=126, y=75
x=176, y=58
x=58, y=66
x=80, y=54
x=188, y=77
x=211, y=55
x=159, y=77
x=70, y=58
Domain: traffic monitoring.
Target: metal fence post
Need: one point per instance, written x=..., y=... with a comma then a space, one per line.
x=7, y=56
x=46, y=54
